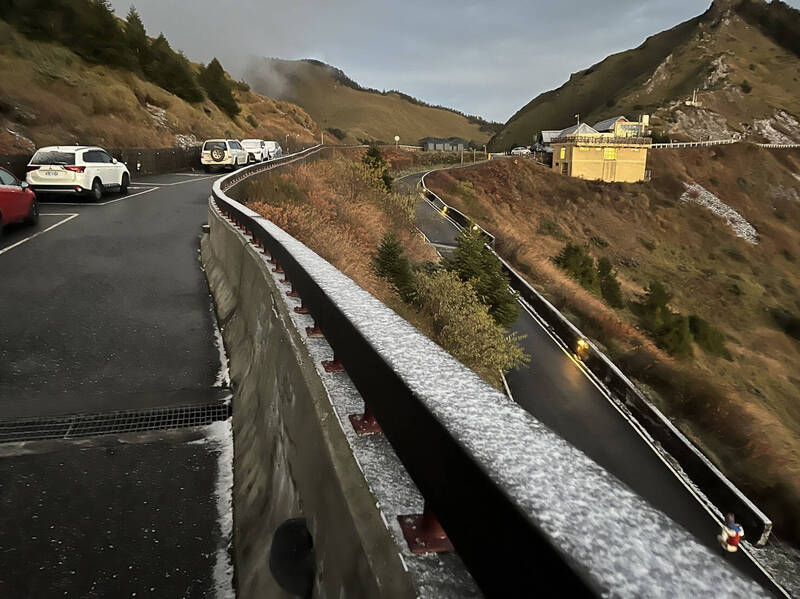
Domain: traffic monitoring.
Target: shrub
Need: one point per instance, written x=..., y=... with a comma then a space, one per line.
x=609, y=285
x=374, y=160
x=172, y=71
x=390, y=263
x=788, y=322
x=575, y=259
x=676, y=337
x=476, y=263
x=463, y=326
x=219, y=88
x=337, y=133
x=746, y=87
x=551, y=228
x=599, y=242
x=710, y=338
x=251, y=121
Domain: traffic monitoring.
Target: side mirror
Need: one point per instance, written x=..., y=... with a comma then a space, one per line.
x=24, y=184
x=114, y=161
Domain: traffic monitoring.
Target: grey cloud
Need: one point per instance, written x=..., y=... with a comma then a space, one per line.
x=487, y=58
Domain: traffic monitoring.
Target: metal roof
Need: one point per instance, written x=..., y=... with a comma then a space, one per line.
x=608, y=124
x=548, y=136
x=581, y=129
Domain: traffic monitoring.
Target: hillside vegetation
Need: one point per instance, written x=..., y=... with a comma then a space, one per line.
x=706, y=321
x=354, y=114
x=741, y=56
x=86, y=93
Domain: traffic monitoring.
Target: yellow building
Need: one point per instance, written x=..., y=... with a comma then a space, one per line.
x=612, y=150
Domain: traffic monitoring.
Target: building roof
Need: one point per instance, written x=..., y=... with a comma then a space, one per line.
x=580, y=129
x=548, y=136
x=443, y=140
x=608, y=124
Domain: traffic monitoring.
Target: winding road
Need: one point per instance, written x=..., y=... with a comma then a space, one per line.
x=555, y=389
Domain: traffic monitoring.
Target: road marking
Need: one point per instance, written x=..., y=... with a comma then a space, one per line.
x=35, y=235
x=194, y=180
x=120, y=199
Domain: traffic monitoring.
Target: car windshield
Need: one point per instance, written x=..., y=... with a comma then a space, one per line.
x=53, y=157
x=214, y=145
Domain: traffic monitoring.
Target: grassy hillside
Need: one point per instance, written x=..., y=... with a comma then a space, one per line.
x=745, y=70
x=740, y=404
x=49, y=95
x=337, y=103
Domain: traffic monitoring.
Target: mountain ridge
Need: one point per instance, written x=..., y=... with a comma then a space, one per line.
x=739, y=55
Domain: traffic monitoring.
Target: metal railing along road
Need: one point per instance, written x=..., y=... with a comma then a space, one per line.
x=519, y=504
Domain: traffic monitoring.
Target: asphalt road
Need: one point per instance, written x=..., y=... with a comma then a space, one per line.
x=557, y=392
x=108, y=310
x=104, y=307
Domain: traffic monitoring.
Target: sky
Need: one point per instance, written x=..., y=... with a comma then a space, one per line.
x=487, y=58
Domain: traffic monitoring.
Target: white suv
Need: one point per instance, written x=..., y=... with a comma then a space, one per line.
x=520, y=151
x=222, y=152
x=256, y=149
x=274, y=149
x=86, y=170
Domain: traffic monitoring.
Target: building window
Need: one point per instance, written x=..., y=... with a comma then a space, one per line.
x=609, y=153
x=563, y=153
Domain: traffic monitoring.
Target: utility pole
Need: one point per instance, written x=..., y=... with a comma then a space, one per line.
x=322, y=141
x=462, y=155
x=577, y=116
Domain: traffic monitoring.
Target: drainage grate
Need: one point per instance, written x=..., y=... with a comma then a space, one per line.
x=112, y=423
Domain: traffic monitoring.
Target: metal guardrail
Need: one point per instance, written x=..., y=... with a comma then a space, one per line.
x=721, y=492
x=696, y=144
x=590, y=140
x=496, y=478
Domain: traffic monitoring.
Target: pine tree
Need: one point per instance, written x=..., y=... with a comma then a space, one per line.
x=136, y=38
x=374, y=160
x=219, y=88
x=391, y=264
x=172, y=71
x=474, y=262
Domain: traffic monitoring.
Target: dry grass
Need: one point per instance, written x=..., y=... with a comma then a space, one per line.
x=744, y=411
x=51, y=96
x=358, y=113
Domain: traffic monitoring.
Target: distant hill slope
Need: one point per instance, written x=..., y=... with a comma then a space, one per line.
x=337, y=103
x=741, y=56
x=50, y=95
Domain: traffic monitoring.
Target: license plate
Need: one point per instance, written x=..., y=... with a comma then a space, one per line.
x=50, y=173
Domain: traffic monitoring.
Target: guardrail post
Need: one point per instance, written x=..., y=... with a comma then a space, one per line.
x=301, y=309
x=277, y=268
x=314, y=330
x=292, y=292
x=424, y=533
x=365, y=424
x=333, y=365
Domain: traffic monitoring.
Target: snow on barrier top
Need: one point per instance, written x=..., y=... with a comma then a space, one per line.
x=607, y=536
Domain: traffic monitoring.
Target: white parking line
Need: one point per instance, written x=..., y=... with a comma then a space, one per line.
x=194, y=179
x=35, y=235
x=119, y=199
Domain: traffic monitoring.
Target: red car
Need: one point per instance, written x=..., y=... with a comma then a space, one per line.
x=17, y=201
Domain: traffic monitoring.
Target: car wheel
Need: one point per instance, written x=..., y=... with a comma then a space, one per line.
x=96, y=193
x=33, y=215
x=123, y=186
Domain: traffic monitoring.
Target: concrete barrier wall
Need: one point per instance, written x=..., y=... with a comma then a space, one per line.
x=291, y=456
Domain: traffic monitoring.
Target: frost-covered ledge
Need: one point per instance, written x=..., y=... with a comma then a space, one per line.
x=559, y=490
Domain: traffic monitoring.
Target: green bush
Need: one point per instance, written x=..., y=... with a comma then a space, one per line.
x=219, y=88
x=710, y=338
x=599, y=241
x=390, y=263
x=251, y=121
x=374, y=160
x=609, y=285
x=669, y=330
x=575, y=259
x=551, y=228
x=476, y=263
x=337, y=133
x=463, y=326
x=788, y=322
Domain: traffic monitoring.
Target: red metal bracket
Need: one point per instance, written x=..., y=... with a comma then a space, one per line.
x=314, y=331
x=301, y=309
x=277, y=268
x=365, y=424
x=292, y=292
x=424, y=533
x=333, y=365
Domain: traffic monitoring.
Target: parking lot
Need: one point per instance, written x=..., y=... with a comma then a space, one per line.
x=104, y=309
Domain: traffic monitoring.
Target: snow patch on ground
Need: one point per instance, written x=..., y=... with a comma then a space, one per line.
x=781, y=128
x=158, y=114
x=186, y=141
x=700, y=124
x=781, y=561
x=698, y=194
x=720, y=72
x=223, y=376
x=219, y=436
